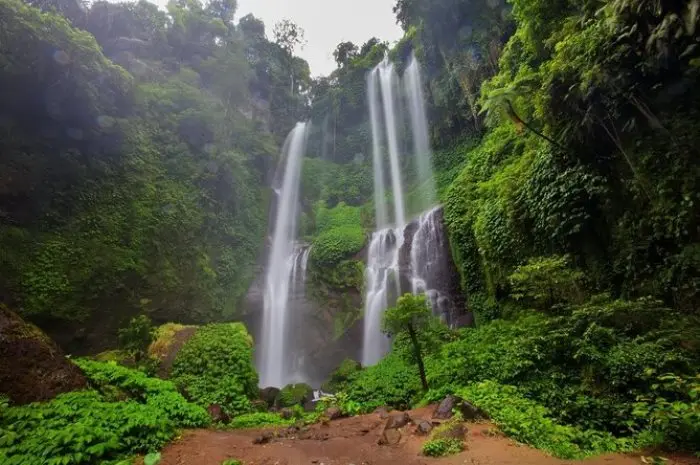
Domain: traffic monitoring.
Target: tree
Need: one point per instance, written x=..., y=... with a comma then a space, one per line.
x=410, y=315
x=288, y=35
x=344, y=52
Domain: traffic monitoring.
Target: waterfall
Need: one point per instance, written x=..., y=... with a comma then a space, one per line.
x=419, y=129
x=429, y=262
x=382, y=267
x=282, y=265
x=385, y=269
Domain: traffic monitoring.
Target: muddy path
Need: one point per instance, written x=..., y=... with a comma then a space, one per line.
x=353, y=441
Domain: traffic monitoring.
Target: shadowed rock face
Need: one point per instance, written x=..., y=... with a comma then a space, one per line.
x=32, y=367
x=426, y=265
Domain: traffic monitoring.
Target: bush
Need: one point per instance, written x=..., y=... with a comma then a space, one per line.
x=529, y=422
x=340, y=377
x=259, y=420
x=136, y=337
x=215, y=366
x=547, y=281
x=442, y=447
x=392, y=382
x=84, y=427
x=294, y=394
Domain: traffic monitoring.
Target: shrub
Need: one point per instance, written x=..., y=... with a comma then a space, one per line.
x=258, y=420
x=136, y=337
x=81, y=428
x=294, y=394
x=546, y=281
x=392, y=382
x=215, y=366
x=442, y=447
x=340, y=377
x=527, y=421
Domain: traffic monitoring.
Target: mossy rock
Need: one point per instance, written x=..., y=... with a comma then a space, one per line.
x=32, y=367
x=121, y=357
x=294, y=394
x=341, y=375
x=169, y=339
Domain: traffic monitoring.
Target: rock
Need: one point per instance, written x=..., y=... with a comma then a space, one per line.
x=309, y=406
x=444, y=411
x=264, y=438
x=286, y=413
x=398, y=420
x=268, y=395
x=423, y=428
x=471, y=412
x=390, y=437
x=333, y=413
x=217, y=414
x=383, y=412
x=32, y=367
x=452, y=430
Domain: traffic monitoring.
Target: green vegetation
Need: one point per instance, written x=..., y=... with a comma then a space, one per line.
x=442, y=447
x=410, y=315
x=137, y=337
x=294, y=394
x=339, y=378
x=215, y=366
x=88, y=427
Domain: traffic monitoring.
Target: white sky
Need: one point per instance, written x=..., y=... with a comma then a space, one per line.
x=326, y=23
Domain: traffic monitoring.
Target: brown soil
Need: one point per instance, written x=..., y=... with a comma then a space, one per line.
x=353, y=441
x=32, y=367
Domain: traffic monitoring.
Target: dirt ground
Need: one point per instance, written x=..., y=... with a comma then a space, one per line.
x=353, y=441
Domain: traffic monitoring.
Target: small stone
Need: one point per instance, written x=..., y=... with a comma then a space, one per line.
x=424, y=428
x=333, y=413
x=398, y=420
x=264, y=438
x=390, y=437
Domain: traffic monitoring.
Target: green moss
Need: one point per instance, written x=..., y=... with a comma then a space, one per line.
x=163, y=339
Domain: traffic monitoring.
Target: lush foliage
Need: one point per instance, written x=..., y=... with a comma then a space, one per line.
x=529, y=422
x=215, y=366
x=137, y=337
x=133, y=165
x=294, y=394
x=341, y=375
x=89, y=427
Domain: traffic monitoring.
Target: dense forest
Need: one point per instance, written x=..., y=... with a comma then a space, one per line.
x=139, y=148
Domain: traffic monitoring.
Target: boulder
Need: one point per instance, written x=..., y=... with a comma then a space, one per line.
x=268, y=395
x=333, y=413
x=32, y=367
x=217, y=414
x=389, y=437
x=264, y=438
x=397, y=420
x=444, y=411
x=451, y=430
x=383, y=412
x=424, y=428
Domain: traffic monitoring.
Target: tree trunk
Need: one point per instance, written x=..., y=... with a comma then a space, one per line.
x=419, y=359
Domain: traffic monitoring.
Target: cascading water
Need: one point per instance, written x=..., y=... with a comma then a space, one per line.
x=385, y=267
x=419, y=128
x=282, y=263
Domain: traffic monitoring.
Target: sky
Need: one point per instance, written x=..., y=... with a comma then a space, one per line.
x=326, y=23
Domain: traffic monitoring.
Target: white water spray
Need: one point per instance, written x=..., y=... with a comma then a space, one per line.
x=282, y=264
